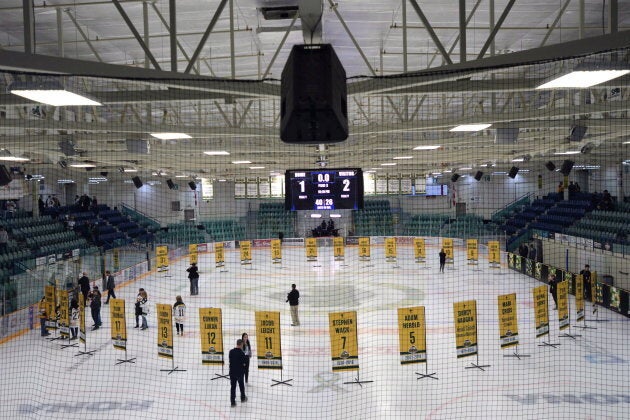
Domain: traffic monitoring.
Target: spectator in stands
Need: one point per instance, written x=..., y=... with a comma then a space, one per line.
x=56, y=202
x=11, y=207
x=532, y=252
x=95, y=307
x=50, y=203
x=560, y=188
x=4, y=239
x=606, y=202
x=94, y=205
x=77, y=200
x=71, y=223
x=523, y=250
x=41, y=205
x=572, y=189
x=577, y=187
x=84, y=284
x=586, y=276
x=85, y=202
x=43, y=317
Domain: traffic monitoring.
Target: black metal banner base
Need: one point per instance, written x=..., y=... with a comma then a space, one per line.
x=544, y=343
x=586, y=327
x=221, y=376
x=358, y=382
x=120, y=361
x=55, y=338
x=426, y=375
x=65, y=346
x=85, y=353
x=281, y=382
x=175, y=369
x=517, y=355
x=567, y=335
x=476, y=366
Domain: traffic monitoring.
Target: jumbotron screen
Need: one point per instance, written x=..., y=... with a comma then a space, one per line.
x=324, y=189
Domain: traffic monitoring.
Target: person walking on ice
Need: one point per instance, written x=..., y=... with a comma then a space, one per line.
x=294, y=299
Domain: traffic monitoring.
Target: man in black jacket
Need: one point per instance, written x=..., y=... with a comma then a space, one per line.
x=84, y=284
x=442, y=260
x=193, y=276
x=294, y=299
x=111, y=284
x=237, y=371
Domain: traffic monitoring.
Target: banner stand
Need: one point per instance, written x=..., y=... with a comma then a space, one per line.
x=568, y=334
x=516, y=354
x=70, y=344
x=85, y=351
x=222, y=375
x=477, y=365
x=173, y=368
x=596, y=313
x=125, y=360
x=358, y=381
x=281, y=381
x=426, y=373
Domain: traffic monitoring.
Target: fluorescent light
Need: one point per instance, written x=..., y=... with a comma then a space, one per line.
x=240, y=162
x=222, y=180
x=447, y=171
x=470, y=127
x=436, y=173
x=626, y=142
x=65, y=181
x=315, y=215
x=55, y=97
x=6, y=155
x=335, y=216
x=98, y=179
x=583, y=79
x=170, y=136
x=518, y=159
x=568, y=152
x=388, y=164
x=524, y=170
x=371, y=171
x=181, y=176
x=402, y=157
x=83, y=165
x=499, y=173
x=466, y=168
x=216, y=153
x=129, y=170
x=256, y=167
x=426, y=147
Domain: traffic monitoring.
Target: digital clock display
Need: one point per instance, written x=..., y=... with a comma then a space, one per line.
x=325, y=189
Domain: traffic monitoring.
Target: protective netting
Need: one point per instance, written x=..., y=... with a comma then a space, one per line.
x=508, y=204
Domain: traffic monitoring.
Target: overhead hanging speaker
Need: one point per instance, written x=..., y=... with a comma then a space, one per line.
x=513, y=172
x=192, y=185
x=313, y=96
x=137, y=181
x=478, y=175
x=170, y=183
x=567, y=165
x=454, y=177
x=577, y=133
x=550, y=166
x=5, y=176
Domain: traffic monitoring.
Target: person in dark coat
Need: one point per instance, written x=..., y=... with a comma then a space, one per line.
x=193, y=276
x=238, y=360
x=84, y=284
x=442, y=260
x=111, y=284
x=553, y=289
x=95, y=307
x=293, y=297
x=586, y=276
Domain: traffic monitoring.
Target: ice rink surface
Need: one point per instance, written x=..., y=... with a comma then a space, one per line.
x=583, y=378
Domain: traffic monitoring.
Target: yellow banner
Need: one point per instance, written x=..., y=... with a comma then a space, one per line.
x=447, y=244
x=563, y=304
x=465, y=314
x=268, y=347
x=161, y=254
x=81, y=318
x=276, y=250
x=419, y=250
x=211, y=333
x=116, y=259
x=311, y=248
x=508, y=320
x=541, y=310
x=339, y=250
x=494, y=252
x=118, y=323
x=412, y=335
x=51, y=307
x=472, y=250
x=246, y=251
x=219, y=254
x=64, y=314
x=594, y=286
x=364, y=247
x=165, y=330
x=344, y=346
x=193, y=255
x=390, y=248
x=579, y=297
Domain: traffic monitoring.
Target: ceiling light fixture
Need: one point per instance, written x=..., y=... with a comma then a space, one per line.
x=426, y=147
x=5, y=155
x=83, y=165
x=50, y=93
x=569, y=152
x=588, y=74
x=402, y=157
x=241, y=162
x=389, y=164
x=170, y=136
x=216, y=153
x=256, y=167
x=470, y=127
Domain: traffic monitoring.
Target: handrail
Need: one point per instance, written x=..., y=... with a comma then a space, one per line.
x=131, y=210
x=511, y=205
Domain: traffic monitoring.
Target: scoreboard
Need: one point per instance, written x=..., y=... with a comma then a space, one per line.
x=324, y=189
